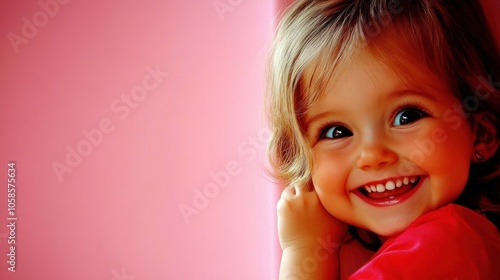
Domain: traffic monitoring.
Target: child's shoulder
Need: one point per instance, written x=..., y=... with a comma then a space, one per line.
x=453, y=216
x=452, y=228
x=450, y=242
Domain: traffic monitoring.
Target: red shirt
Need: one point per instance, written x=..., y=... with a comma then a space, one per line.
x=452, y=242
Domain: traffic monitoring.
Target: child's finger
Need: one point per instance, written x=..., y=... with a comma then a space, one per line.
x=305, y=188
x=288, y=193
x=300, y=190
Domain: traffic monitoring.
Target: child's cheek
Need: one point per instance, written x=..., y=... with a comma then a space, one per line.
x=330, y=169
x=425, y=143
x=444, y=152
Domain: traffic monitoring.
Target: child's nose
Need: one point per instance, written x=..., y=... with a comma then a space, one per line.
x=376, y=155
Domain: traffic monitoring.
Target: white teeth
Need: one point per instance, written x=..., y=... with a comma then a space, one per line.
x=390, y=185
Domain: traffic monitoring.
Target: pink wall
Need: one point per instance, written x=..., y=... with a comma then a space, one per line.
x=109, y=147
x=108, y=152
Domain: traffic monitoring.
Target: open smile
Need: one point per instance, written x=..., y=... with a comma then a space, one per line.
x=390, y=191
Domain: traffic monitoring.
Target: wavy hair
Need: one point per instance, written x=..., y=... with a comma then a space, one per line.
x=450, y=38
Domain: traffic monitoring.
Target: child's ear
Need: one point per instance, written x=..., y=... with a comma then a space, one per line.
x=486, y=136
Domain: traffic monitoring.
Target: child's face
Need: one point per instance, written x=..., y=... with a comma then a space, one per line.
x=404, y=139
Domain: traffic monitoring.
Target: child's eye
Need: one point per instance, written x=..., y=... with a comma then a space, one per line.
x=335, y=132
x=408, y=116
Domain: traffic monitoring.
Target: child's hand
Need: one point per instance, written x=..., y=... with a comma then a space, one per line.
x=304, y=222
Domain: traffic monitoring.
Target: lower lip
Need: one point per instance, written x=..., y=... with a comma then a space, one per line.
x=391, y=200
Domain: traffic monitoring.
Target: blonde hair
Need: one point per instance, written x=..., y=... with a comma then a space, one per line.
x=449, y=38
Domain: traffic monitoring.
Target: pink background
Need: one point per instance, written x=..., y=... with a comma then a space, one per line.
x=115, y=213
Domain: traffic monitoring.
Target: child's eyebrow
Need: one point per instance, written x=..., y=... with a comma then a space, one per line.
x=415, y=92
x=316, y=117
